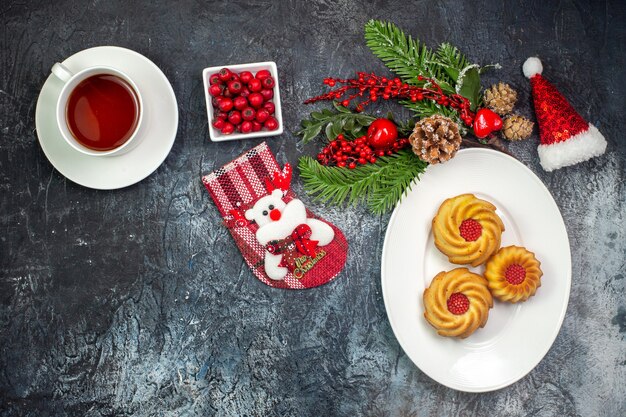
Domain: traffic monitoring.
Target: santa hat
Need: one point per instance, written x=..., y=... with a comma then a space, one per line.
x=566, y=138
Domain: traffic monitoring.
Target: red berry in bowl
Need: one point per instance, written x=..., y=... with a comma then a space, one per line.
x=246, y=127
x=218, y=123
x=221, y=115
x=271, y=123
x=245, y=77
x=270, y=107
x=234, y=117
x=256, y=126
x=215, y=101
x=267, y=94
x=214, y=79
x=215, y=90
x=262, y=115
x=255, y=85
x=225, y=104
x=268, y=82
x=240, y=103
x=263, y=74
x=228, y=128
x=234, y=86
x=224, y=74
x=248, y=114
x=255, y=100
x=244, y=92
x=234, y=77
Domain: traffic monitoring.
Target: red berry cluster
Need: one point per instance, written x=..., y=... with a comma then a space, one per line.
x=344, y=153
x=372, y=87
x=242, y=101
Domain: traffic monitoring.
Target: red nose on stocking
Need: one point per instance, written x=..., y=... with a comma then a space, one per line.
x=275, y=214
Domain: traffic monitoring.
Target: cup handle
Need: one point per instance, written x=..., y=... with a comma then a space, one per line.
x=61, y=72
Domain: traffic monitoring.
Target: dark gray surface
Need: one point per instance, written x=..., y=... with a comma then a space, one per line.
x=136, y=301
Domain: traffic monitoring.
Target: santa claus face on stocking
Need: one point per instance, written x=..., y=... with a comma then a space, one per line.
x=278, y=221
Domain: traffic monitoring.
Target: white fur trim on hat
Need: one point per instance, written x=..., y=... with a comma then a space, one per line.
x=532, y=66
x=578, y=148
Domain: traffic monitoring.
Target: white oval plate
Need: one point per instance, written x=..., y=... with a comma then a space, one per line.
x=159, y=132
x=516, y=336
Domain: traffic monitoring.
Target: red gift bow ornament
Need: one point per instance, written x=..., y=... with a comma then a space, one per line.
x=486, y=122
x=301, y=236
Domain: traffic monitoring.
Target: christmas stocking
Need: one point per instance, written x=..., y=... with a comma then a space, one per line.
x=284, y=244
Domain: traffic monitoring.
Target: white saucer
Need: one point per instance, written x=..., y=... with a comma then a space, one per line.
x=516, y=336
x=159, y=132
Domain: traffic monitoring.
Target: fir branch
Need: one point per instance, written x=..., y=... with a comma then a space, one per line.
x=334, y=122
x=452, y=60
x=406, y=57
x=403, y=55
x=381, y=185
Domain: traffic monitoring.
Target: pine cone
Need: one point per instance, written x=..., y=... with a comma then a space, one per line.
x=500, y=98
x=517, y=127
x=435, y=139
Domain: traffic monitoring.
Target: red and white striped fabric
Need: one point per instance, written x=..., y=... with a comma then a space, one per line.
x=235, y=187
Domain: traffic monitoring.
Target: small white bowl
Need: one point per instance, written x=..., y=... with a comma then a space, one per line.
x=215, y=134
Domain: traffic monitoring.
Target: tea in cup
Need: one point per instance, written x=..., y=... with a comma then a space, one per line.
x=99, y=111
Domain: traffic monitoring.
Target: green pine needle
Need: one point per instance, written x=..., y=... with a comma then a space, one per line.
x=380, y=185
x=451, y=60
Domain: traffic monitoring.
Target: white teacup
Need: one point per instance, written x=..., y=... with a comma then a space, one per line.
x=72, y=80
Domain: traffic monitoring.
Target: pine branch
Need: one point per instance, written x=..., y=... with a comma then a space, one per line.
x=452, y=60
x=340, y=121
x=381, y=185
x=408, y=58
x=403, y=55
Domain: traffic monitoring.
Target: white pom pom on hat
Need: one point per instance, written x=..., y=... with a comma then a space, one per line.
x=532, y=66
